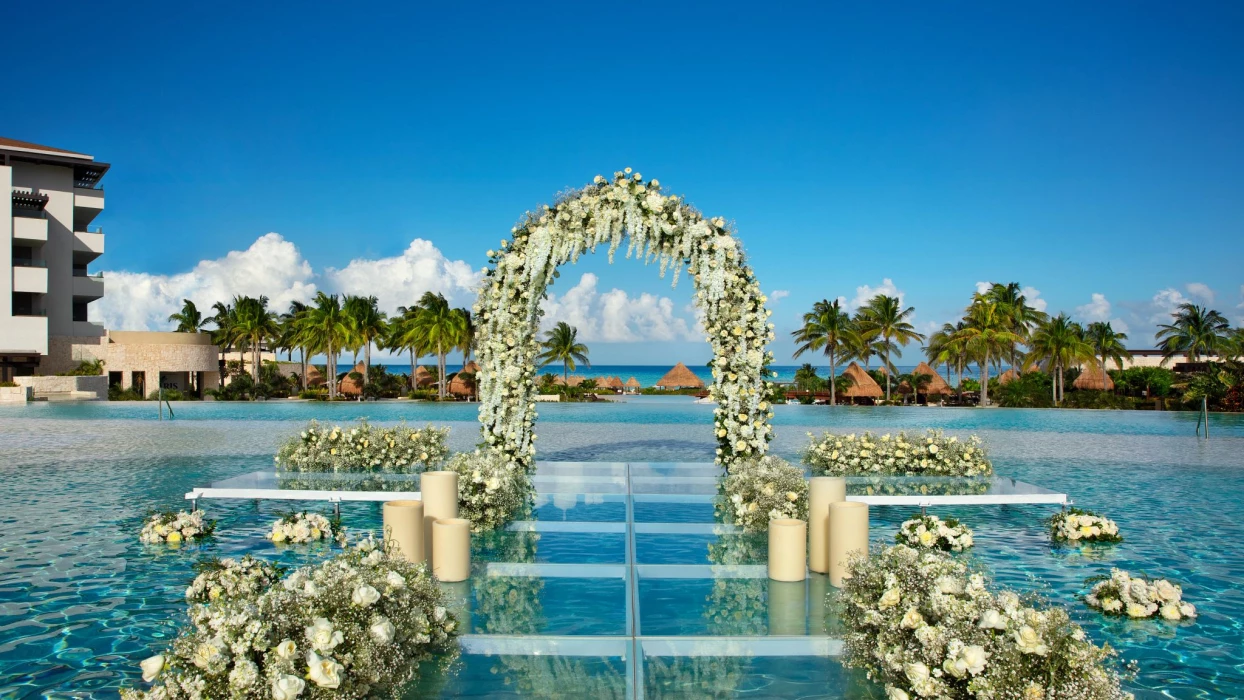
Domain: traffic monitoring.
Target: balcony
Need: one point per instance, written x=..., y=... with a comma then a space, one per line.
x=88, y=287
x=29, y=204
x=30, y=232
x=87, y=204
x=88, y=329
x=33, y=280
x=87, y=245
x=25, y=335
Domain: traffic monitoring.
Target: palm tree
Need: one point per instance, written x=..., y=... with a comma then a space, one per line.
x=1023, y=317
x=1107, y=345
x=188, y=320
x=403, y=335
x=885, y=319
x=1059, y=343
x=986, y=334
x=367, y=323
x=225, y=334
x=561, y=344
x=1195, y=332
x=805, y=377
x=293, y=335
x=438, y=328
x=326, y=328
x=256, y=324
x=829, y=329
x=945, y=347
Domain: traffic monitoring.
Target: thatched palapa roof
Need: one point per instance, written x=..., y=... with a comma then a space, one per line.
x=423, y=377
x=572, y=380
x=314, y=376
x=350, y=386
x=862, y=385
x=680, y=378
x=462, y=384
x=609, y=382
x=633, y=383
x=1091, y=378
x=936, y=384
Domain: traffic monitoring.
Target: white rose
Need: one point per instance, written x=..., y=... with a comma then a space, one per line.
x=1166, y=590
x=244, y=674
x=383, y=631
x=912, y=619
x=893, y=693
x=323, y=671
x=890, y=598
x=152, y=667
x=1029, y=641
x=1137, y=610
x=992, y=620
x=365, y=596
x=1170, y=611
x=287, y=687
x=974, y=657
x=286, y=649
x=395, y=580
x=917, y=673
x=322, y=635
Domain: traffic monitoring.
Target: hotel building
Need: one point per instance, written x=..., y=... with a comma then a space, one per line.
x=49, y=198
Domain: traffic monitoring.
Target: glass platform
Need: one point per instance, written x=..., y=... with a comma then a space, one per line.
x=622, y=585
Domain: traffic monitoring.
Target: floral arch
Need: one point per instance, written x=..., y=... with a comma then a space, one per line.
x=661, y=228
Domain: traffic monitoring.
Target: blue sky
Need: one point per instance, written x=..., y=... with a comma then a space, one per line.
x=1079, y=148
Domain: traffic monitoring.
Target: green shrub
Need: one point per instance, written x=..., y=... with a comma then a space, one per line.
x=85, y=368
x=312, y=394
x=1032, y=390
x=8, y=385
x=116, y=393
x=1097, y=399
x=424, y=394
x=172, y=395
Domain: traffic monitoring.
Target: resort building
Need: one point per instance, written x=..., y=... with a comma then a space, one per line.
x=47, y=242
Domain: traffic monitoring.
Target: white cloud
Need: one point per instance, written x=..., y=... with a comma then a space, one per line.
x=274, y=267
x=865, y=293
x=271, y=266
x=982, y=287
x=401, y=280
x=617, y=317
x=778, y=294
x=1096, y=310
x=1200, y=291
x=1164, y=303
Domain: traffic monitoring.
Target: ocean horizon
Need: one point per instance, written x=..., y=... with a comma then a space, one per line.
x=649, y=375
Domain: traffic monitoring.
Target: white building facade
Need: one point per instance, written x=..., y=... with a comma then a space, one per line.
x=49, y=199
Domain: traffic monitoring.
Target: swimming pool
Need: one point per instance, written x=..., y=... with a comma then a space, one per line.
x=81, y=600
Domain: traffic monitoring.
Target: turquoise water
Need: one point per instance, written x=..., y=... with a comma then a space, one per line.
x=81, y=600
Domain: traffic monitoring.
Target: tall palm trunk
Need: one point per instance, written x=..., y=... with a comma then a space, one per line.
x=985, y=380
x=833, y=380
x=1054, y=385
x=303, y=352
x=412, y=369
x=331, y=371
x=440, y=371
x=1104, y=376
x=366, y=361
x=887, y=376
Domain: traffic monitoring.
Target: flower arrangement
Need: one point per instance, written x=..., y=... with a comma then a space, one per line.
x=926, y=625
x=759, y=490
x=1074, y=526
x=491, y=490
x=363, y=448
x=301, y=527
x=661, y=228
x=356, y=625
x=930, y=454
x=174, y=528
x=917, y=485
x=931, y=532
x=1135, y=596
x=232, y=578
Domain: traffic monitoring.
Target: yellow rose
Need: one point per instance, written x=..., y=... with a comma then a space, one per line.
x=174, y=537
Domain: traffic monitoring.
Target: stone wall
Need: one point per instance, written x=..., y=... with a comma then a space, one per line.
x=14, y=394
x=67, y=387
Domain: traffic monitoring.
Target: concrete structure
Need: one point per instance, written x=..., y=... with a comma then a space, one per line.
x=1153, y=358
x=49, y=198
x=147, y=360
x=77, y=388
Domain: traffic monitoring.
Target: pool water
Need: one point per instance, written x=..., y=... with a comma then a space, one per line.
x=606, y=594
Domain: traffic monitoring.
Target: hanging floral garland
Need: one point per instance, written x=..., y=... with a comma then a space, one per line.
x=661, y=228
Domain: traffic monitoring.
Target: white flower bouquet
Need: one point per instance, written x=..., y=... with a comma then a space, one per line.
x=232, y=578
x=1121, y=593
x=301, y=527
x=926, y=625
x=759, y=490
x=491, y=490
x=1075, y=526
x=363, y=448
x=930, y=454
x=931, y=532
x=174, y=528
x=356, y=625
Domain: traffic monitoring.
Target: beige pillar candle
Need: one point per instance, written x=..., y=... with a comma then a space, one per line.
x=451, y=549
x=848, y=532
x=788, y=608
x=403, y=527
x=822, y=490
x=439, y=491
x=788, y=549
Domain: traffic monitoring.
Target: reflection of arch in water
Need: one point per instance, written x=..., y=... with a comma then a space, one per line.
x=659, y=228
x=635, y=451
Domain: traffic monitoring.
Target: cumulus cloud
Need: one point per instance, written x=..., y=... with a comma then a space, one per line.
x=778, y=294
x=864, y=293
x=274, y=267
x=615, y=316
x=1032, y=294
x=1200, y=291
x=401, y=280
x=1096, y=310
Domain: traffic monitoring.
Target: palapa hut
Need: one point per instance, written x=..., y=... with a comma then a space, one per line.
x=680, y=378
x=314, y=376
x=632, y=386
x=462, y=383
x=572, y=380
x=611, y=383
x=1092, y=379
x=862, y=385
x=423, y=377
x=1008, y=376
x=936, y=386
x=351, y=386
